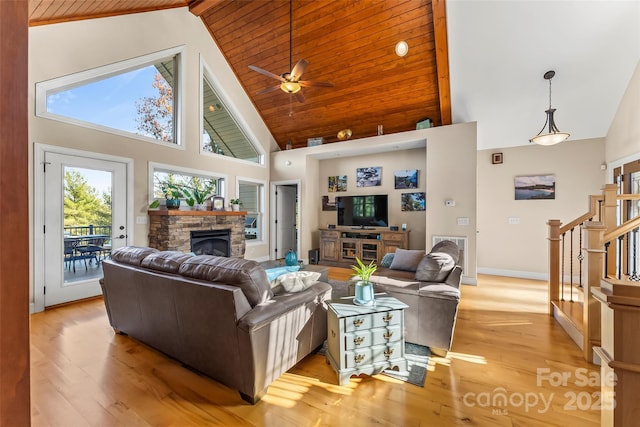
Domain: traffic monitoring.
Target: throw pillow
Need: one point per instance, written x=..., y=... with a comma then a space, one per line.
x=435, y=267
x=406, y=259
x=449, y=247
x=386, y=260
x=272, y=273
x=296, y=282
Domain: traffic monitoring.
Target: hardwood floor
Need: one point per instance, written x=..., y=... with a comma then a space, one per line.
x=82, y=374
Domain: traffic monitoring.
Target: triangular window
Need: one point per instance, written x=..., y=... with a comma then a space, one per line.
x=221, y=133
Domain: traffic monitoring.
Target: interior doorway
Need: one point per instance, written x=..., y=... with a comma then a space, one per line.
x=285, y=227
x=81, y=214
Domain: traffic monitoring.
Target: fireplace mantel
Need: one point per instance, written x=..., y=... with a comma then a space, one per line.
x=170, y=230
x=178, y=212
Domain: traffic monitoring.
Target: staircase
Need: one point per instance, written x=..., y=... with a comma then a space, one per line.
x=594, y=250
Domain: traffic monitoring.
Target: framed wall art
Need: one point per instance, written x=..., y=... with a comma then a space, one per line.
x=535, y=187
x=405, y=179
x=328, y=204
x=413, y=201
x=369, y=177
x=337, y=183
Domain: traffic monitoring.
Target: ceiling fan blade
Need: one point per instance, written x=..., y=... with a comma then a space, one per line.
x=299, y=96
x=267, y=90
x=266, y=73
x=298, y=69
x=307, y=83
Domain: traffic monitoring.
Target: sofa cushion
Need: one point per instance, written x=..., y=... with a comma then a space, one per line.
x=166, y=261
x=387, y=259
x=273, y=273
x=132, y=255
x=435, y=267
x=448, y=247
x=406, y=259
x=246, y=274
x=296, y=281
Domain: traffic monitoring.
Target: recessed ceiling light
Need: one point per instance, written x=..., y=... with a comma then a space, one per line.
x=402, y=48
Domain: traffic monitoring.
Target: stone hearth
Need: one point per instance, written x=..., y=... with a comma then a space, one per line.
x=170, y=230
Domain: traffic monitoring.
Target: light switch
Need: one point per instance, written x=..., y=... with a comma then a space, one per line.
x=141, y=220
x=463, y=220
x=514, y=220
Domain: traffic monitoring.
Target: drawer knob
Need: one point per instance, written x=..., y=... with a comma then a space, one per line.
x=358, y=322
x=359, y=358
x=388, y=352
x=387, y=335
x=358, y=340
x=388, y=317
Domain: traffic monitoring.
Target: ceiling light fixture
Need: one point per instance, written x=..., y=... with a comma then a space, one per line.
x=554, y=136
x=402, y=48
x=290, y=87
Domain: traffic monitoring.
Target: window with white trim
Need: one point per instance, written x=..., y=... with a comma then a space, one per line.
x=193, y=187
x=221, y=133
x=251, y=195
x=137, y=97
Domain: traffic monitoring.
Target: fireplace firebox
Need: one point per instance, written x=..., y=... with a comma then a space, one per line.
x=211, y=242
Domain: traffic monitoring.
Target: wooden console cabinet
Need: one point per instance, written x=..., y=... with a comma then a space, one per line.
x=344, y=245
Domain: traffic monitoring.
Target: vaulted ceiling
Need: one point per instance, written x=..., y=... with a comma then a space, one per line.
x=347, y=43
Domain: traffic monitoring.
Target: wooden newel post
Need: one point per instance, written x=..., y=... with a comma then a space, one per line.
x=554, y=262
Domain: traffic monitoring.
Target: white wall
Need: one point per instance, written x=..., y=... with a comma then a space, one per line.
x=521, y=250
x=61, y=49
x=623, y=138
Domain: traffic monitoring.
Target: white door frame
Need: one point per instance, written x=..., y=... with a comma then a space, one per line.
x=39, y=210
x=272, y=215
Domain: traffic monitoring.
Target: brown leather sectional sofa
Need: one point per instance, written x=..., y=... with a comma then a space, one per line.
x=214, y=314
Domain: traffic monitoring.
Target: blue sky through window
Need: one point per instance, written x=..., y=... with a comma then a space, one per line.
x=108, y=102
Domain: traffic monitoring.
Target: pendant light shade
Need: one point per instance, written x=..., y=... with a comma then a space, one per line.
x=554, y=135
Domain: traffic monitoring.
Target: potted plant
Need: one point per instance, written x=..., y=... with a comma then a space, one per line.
x=198, y=194
x=364, y=288
x=172, y=193
x=235, y=204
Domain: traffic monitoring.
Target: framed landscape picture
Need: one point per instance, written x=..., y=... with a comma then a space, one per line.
x=413, y=201
x=328, y=204
x=535, y=187
x=369, y=177
x=405, y=179
x=337, y=183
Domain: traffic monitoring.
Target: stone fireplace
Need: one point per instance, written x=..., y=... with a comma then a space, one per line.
x=171, y=230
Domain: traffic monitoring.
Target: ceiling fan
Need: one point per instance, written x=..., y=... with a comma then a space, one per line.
x=290, y=82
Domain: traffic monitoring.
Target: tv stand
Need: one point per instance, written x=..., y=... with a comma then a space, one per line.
x=367, y=244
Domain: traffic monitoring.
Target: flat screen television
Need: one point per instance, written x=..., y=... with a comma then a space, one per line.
x=363, y=211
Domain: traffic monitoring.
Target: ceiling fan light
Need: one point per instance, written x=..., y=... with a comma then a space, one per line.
x=290, y=87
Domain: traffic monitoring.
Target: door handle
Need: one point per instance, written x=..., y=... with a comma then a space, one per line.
x=122, y=236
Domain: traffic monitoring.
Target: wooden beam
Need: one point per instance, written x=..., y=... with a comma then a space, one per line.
x=198, y=7
x=438, y=8
x=15, y=404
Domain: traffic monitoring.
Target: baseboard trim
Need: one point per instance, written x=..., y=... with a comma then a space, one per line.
x=513, y=273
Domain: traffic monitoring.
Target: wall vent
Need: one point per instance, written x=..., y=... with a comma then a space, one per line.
x=462, y=244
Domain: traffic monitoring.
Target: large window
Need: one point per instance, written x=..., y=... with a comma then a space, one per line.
x=251, y=195
x=137, y=97
x=188, y=182
x=221, y=134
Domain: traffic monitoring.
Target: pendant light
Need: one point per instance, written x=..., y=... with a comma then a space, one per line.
x=554, y=136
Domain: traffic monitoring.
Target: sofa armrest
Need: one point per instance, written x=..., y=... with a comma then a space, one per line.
x=455, y=277
x=268, y=311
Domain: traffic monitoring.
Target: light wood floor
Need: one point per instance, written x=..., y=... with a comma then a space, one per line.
x=83, y=374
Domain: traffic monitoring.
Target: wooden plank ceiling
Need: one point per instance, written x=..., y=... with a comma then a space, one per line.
x=349, y=43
